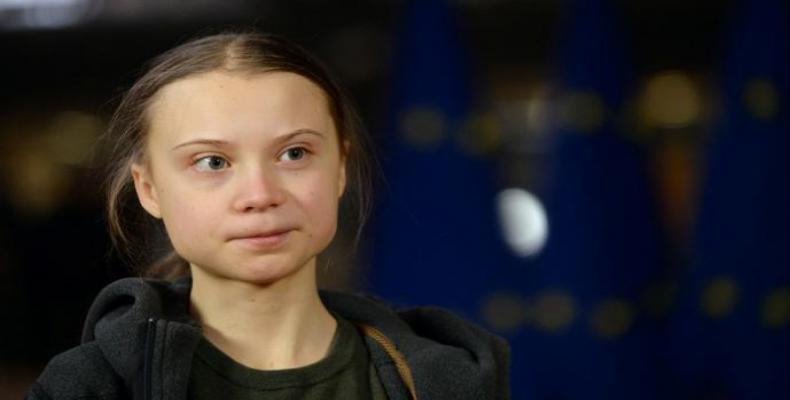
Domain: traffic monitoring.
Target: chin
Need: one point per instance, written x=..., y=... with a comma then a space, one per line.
x=267, y=273
x=262, y=270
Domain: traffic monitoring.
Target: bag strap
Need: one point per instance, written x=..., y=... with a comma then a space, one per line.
x=400, y=360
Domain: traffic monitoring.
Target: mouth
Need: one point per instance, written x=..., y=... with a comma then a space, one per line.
x=263, y=240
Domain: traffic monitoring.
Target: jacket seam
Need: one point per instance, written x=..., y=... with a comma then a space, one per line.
x=161, y=370
x=149, y=358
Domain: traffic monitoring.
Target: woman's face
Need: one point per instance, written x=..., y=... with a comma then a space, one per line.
x=245, y=171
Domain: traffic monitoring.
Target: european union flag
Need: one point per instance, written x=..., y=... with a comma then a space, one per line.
x=593, y=338
x=732, y=338
x=435, y=233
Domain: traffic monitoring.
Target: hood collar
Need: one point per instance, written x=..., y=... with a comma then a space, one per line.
x=443, y=351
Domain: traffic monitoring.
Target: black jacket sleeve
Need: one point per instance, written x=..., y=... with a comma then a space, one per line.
x=37, y=393
x=80, y=373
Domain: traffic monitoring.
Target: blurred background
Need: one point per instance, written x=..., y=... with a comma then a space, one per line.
x=604, y=183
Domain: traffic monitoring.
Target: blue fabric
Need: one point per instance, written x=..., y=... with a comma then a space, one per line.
x=435, y=237
x=743, y=231
x=605, y=241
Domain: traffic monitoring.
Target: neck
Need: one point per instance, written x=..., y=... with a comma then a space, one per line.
x=274, y=326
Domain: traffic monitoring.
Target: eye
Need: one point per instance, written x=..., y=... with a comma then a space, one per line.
x=294, y=154
x=211, y=163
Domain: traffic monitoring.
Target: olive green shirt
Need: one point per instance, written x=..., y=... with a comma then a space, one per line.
x=345, y=373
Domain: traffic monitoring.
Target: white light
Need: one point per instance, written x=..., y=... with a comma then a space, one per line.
x=38, y=3
x=43, y=13
x=523, y=221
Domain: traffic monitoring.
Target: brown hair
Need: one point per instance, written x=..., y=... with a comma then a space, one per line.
x=142, y=238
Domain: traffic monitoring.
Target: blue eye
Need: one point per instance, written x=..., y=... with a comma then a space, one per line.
x=211, y=163
x=294, y=154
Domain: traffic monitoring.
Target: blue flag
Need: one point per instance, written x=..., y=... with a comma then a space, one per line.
x=732, y=337
x=435, y=237
x=593, y=339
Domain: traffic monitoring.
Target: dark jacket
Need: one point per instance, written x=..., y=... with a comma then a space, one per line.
x=139, y=339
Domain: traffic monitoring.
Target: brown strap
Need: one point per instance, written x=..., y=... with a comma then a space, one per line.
x=400, y=361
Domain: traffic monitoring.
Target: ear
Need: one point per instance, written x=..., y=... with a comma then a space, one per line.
x=146, y=190
x=341, y=184
x=341, y=181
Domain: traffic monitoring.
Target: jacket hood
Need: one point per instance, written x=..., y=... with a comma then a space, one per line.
x=119, y=318
x=448, y=357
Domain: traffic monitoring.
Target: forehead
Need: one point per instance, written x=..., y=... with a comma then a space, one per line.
x=233, y=104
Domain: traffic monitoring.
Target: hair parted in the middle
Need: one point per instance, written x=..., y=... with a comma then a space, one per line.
x=140, y=237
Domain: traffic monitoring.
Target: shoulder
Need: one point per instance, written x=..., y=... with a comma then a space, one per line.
x=79, y=373
x=446, y=327
x=463, y=358
x=427, y=326
x=449, y=357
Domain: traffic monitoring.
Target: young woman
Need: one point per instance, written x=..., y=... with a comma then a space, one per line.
x=230, y=157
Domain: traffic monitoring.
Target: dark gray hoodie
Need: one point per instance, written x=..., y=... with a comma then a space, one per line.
x=139, y=339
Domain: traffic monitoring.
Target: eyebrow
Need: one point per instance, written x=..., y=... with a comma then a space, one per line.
x=224, y=143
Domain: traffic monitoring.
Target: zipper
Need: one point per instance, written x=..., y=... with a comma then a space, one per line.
x=150, y=338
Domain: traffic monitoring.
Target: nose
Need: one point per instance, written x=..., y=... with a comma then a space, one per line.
x=258, y=190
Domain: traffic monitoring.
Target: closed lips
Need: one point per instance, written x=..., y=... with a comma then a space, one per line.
x=254, y=235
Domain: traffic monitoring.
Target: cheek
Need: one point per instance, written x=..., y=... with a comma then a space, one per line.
x=320, y=203
x=187, y=214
